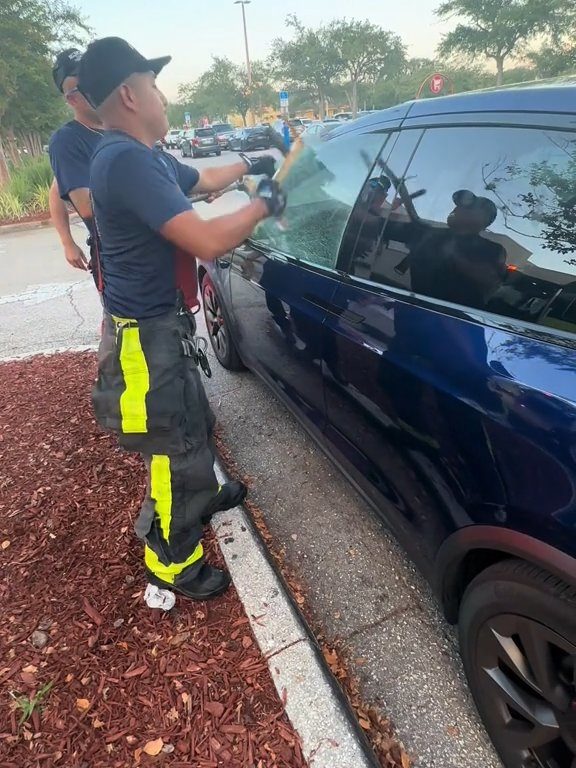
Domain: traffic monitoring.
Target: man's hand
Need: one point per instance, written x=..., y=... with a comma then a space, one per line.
x=271, y=193
x=265, y=165
x=214, y=196
x=75, y=256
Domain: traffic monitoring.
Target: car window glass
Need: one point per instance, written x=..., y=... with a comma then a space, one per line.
x=322, y=184
x=486, y=218
x=204, y=132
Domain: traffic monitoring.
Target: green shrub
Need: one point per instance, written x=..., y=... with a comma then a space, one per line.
x=28, y=188
x=40, y=201
x=11, y=207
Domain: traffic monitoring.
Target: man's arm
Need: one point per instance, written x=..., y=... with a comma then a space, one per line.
x=215, y=179
x=210, y=239
x=59, y=214
x=80, y=199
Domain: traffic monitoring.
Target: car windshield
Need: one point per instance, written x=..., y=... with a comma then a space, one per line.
x=222, y=127
x=174, y=132
x=204, y=132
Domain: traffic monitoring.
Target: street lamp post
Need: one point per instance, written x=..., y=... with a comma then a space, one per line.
x=248, y=65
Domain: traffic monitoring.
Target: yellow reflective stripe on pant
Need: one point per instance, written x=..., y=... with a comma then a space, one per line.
x=136, y=380
x=168, y=573
x=161, y=492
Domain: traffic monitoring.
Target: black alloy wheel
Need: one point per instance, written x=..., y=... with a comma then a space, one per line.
x=518, y=642
x=222, y=344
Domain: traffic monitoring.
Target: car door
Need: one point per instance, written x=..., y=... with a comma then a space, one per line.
x=284, y=277
x=451, y=368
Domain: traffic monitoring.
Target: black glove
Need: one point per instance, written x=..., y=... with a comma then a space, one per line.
x=265, y=165
x=275, y=199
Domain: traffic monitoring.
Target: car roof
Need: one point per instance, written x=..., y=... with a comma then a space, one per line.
x=545, y=96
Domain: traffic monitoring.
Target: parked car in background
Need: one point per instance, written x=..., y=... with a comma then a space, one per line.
x=343, y=116
x=318, y=127
x=200, y=142
x=417, y=311
x=224, y=132
x=160, y=145
x=171, y=138
x=245, y=139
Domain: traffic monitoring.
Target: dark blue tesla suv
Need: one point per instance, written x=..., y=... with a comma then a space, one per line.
x=416, y=309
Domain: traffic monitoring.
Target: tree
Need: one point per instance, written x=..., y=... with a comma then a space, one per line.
x=404, y=87
x=309, y=62
x=32, y=31
x=554, y=60
x=261, y=92
x=497, y=29
x=367, y=53
x=224, y=89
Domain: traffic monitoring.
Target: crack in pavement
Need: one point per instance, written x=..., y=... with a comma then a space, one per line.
x=382, y=620
x=71, y=299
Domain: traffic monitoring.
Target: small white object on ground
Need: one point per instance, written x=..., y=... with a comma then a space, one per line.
x=159, y=598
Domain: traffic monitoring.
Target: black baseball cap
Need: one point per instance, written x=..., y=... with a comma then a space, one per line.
x=66, y=65
x=106, y=65
x=463, y=198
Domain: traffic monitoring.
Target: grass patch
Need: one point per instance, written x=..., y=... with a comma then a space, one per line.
x=29, y=704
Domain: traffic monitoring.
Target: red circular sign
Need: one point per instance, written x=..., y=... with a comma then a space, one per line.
x=437, y=83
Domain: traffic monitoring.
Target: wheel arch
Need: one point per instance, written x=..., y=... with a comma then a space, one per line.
x=471, y=550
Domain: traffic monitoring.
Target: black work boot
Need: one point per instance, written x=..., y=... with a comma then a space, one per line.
x=209, y=582
x=229, y=496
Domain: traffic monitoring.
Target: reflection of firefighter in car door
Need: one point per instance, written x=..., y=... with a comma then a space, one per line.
x=148, y=389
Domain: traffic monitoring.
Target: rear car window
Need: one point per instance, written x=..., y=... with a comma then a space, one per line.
x=493, y=229
x=204, y=132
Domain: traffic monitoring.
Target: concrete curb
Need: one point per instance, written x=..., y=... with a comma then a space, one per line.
x=25, y=226
x=313, y=702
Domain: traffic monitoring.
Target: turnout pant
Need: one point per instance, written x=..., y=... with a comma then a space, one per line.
x=149, y=393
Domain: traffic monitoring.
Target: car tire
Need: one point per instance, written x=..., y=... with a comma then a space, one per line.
x=183, y=153
x=218, y=153
x=517, y=629
x=194, y=154
x=218, y=330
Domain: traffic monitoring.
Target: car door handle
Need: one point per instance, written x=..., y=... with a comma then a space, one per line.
x=334, y=309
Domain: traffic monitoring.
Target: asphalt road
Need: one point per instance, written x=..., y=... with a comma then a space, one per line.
x=359, y=583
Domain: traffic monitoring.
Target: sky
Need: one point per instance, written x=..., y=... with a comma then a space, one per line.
x=192, y=31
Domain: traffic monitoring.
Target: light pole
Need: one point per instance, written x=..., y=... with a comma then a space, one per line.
x=248, y=65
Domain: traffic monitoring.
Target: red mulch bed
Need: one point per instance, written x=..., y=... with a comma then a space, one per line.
x=123, y=676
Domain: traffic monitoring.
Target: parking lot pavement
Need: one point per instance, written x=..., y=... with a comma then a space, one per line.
x=358, y=581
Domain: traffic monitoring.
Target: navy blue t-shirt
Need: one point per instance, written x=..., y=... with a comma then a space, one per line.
x=71, y=149
x=135, y=191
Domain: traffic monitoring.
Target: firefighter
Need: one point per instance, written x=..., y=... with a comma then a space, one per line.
x=148, y=389
x=71, y=148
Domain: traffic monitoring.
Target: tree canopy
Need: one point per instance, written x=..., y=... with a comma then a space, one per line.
x=32, y=31
x=224, y=89
x=366, y=53
x=499, y=29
